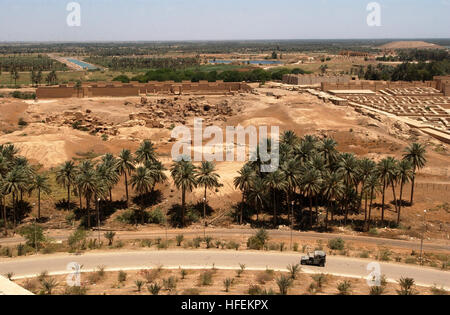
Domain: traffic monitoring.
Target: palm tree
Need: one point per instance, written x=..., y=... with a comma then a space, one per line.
x=108, y=171
x=290, y=138
x=328, y=148
x=386, y=171
x=28, y=171
x=243, y=182
x=183, y=174
x=141, y=181
x=291, y=172
x=405, y=174
x=209, y=179
x=276, y=181
x=372, y=187
x=257, y=193
x=415, y=154
x=333, y=189
x=311, y=184
x=89, y=184
x=9, y=151
x=65, y=175
x=348, y=166
x=14, y=182
x=146, y=152
x=3, y=197
x=365, y=169
x=41, y=184
x=157, y=172
x=125, y=166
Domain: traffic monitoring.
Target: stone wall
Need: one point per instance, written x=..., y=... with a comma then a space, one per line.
x=312, y=79
x=117, y=89
x=374, y=85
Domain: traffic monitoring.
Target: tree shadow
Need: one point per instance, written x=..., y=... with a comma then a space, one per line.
x=175, y=214
x=149, y=199
x=62, y=205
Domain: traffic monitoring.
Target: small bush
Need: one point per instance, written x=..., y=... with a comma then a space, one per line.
x=179, y=238
x=438, y=291
x=76, y=290
x=336, y=244
x=255, y=289
x=110, y=237
x=344, y=287
x=284, y=283
x=170, y=284
x=154, y=288
x=258, y=241
x=122, y=276
x=376, y=290
x=320, y=280
x=227, y=283
x=206, y=278
x=407, y=286
x=294, y=270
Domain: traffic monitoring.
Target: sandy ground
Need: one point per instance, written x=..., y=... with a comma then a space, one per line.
x=50, y=144
x=192, y=283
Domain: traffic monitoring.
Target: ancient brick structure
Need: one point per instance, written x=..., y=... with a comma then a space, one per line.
x=439, y=86
x=117, y=89
x=312, y=79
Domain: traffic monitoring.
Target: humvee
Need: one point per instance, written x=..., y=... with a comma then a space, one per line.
x=318, y=258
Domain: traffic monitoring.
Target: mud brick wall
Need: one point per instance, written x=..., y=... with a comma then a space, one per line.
x=58, y=92
x=373, y=85
x=311, y=79
x=117, y=89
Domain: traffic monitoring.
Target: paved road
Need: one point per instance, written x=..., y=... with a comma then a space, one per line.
x=224, y=233
x=353, y=267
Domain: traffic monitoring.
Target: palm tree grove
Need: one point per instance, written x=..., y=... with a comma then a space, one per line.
x=316, y=187
x=240, y=151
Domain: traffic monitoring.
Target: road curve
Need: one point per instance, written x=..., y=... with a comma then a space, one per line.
x=343, y=266
x=246, y=232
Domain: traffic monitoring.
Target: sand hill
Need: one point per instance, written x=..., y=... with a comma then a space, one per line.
x=410, y=45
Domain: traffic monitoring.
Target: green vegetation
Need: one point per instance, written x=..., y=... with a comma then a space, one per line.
x=336, y=244
x=338, y=182
x=136, y=63
x=256, y=75
x=29, y=63
x=407, y=71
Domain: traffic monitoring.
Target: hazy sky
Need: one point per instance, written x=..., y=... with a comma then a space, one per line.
x=131, y=20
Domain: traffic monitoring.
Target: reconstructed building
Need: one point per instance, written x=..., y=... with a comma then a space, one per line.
x=118, y=89
x=312, y=79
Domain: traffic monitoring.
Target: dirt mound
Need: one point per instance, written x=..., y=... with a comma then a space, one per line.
x=410, y=45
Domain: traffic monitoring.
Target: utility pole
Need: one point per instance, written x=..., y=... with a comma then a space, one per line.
x=292, y=221
x=98, y=220
x=204, y=217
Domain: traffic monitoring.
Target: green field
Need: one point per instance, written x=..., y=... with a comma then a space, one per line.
x=92, y=76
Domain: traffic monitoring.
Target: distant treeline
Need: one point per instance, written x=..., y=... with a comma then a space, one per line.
x=136, y=63
x=257, y=75
x=210, y=47
x=407, y=71
x=418, y=55
x=29, y=63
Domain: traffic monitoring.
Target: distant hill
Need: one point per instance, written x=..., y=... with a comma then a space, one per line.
x=410, y=45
